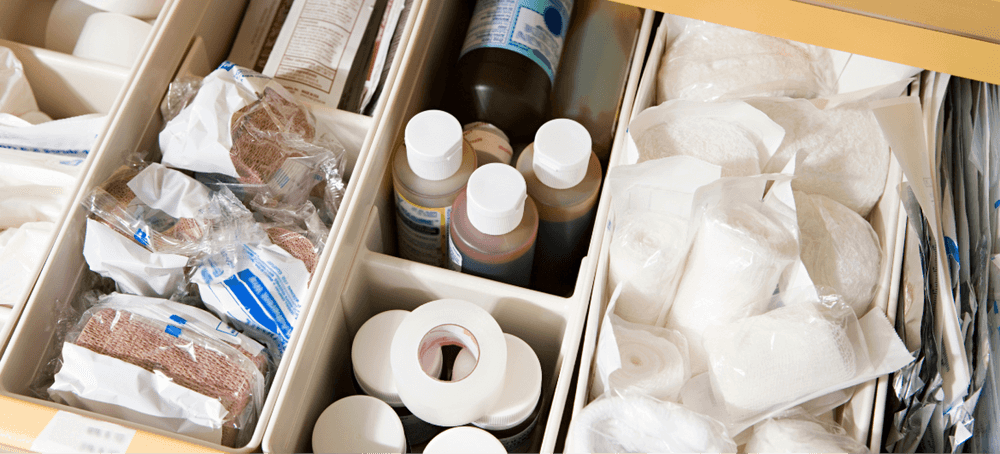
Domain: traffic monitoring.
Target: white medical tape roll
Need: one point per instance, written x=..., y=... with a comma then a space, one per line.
x=521, y=389
x=112, y=38
x=432, y=326
x=370, y=356
x=465, y=439
x=142, y=9
x=65, y=23
x=358, y=424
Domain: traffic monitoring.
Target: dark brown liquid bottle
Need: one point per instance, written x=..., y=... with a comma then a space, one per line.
x=509, y=61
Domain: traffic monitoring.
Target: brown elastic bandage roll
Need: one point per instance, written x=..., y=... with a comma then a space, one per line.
x=195, y=363
x=257, y=132
x=299, y=246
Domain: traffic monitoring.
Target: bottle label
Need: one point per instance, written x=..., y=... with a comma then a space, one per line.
x=421, y=231
x=533, y=28
x=454, y=257
x=488, y=142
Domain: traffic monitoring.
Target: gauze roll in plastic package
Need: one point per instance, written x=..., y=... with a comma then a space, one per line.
x=707, y=62
x=636, y=423
x=798, y=431
x=651, y=205
x=839, y=249
x=164, y=364
x=848, y=156
x=731, y=134
x=449, y=322
x=739, y=253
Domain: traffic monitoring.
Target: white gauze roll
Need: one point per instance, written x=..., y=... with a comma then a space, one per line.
x=800, y=435
x=641, y=424
x=647, y=253
x=848, y=156
x=778, y=357
x=706, y=62
x=839, y=249
x=712, y=140
x=654, y=361
x=734, y=265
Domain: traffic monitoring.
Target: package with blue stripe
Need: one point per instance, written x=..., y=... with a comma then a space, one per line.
x=164, y=364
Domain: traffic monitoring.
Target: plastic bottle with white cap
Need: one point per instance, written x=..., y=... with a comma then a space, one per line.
x=373, y=371
x=490, y=143
x=563, y=176
x=463, y=440
x=358, y=424
x=428, y=171
x=494, y=224
x=515, y=415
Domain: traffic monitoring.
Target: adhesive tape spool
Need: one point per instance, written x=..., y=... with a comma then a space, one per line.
x=358, y=424
x=65, y=23
x=112, y=38
x=142, y=9
x=432, y=326
x=464, y=439
x=370, y=357
x=521, y=389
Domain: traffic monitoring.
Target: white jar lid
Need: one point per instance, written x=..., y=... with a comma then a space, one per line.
x=433, y=144
x=521, y=389
x=463, y=440
x=562, y=153
x=495, y=198
x=358, y=424
x=370, y=357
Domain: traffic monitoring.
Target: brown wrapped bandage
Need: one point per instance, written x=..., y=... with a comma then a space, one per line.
x=259, y=132
x=294, y=243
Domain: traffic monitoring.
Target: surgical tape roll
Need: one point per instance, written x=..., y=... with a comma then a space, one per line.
x=142, y=9
x=112, y=38
x=461, y=440
x=428, y=328
x=65, y=22
x=521, y=389
x=370, y=356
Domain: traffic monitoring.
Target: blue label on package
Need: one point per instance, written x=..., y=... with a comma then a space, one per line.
x=533, y=28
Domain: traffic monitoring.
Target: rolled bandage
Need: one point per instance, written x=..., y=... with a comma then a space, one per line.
x=653, y=365
x=646, y=254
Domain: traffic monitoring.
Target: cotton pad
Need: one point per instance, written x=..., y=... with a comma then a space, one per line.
x=839, y=249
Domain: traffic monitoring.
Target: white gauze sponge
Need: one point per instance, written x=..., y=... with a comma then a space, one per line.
x=839, y=249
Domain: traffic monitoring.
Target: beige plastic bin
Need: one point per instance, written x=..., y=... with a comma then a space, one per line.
x=203, y=31
x=365, y=279
x=885, y=218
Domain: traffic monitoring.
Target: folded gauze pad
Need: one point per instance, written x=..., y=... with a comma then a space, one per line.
x=736, y=260
x=839, y=249
x=706, y=62
x=778, y=357
x=732, y=135
x=641, y=424
x=848, y=156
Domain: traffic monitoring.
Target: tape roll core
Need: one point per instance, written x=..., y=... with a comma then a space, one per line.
x=442, y=336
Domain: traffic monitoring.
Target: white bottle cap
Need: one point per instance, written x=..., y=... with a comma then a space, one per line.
x=358, y=424
x=495, y=198
x=465, y=439
x=433, y=144
x=562, y=153
x=370, y=357
x=521, y=389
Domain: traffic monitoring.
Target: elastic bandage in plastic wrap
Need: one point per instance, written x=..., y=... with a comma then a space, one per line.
x=839, y=249
x=646, y=256
x=636, y=423
x=646, y=359
x=707, y=62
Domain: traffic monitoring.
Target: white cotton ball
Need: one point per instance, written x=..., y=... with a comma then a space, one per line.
x=839, y=249
x=646, y=253
x=708, y=62
x=713, y=140
x=734, y=265
x=848, y=156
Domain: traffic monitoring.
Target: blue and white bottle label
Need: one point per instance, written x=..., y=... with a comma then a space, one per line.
x=533, y=28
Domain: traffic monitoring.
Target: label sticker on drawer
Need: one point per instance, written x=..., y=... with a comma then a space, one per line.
x=70, y=432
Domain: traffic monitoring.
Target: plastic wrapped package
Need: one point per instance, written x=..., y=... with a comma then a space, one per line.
x=635, y=423
x=798, y=431
x=741, y=250
x=155, y=361
x=707, y=62
x=296, y=244
x=731, y=134
x=21, y=255
x=839, y=248
x=180, y=92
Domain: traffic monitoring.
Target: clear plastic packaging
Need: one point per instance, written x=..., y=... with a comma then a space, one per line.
x=798, y=431
x=186, y=345
x=635, y=423
x=179, y=94
x=707, y=62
